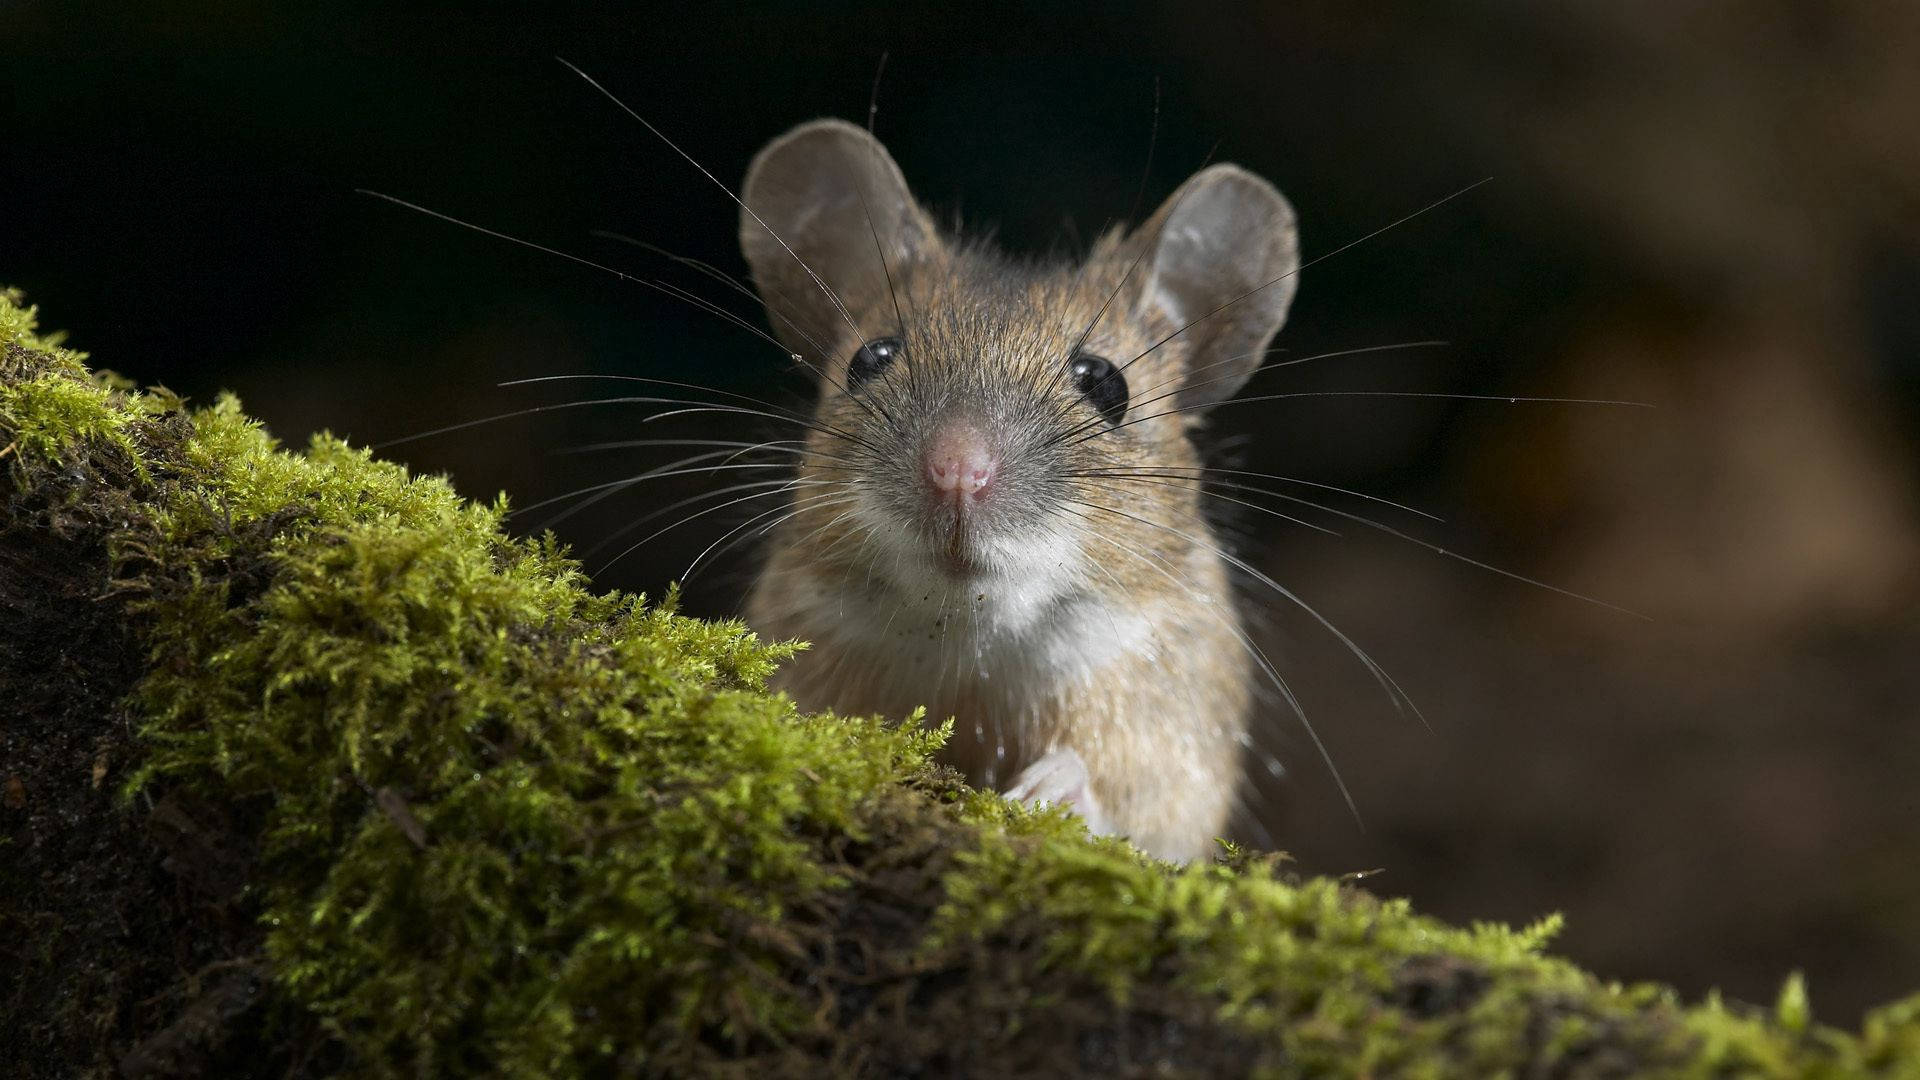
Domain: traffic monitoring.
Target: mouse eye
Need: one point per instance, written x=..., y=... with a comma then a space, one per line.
x=870, y=360
x=1102, y=385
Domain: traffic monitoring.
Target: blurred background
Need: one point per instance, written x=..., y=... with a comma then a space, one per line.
x=1710, y=208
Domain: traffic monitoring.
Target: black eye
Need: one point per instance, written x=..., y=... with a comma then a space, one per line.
x=1102, y=384
x=871, y=359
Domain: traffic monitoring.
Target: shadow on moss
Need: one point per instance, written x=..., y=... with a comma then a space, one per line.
x=403, y=796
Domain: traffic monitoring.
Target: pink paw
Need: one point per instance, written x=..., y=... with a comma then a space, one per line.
x=1060, y=778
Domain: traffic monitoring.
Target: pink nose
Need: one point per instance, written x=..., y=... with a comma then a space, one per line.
x=958, y=461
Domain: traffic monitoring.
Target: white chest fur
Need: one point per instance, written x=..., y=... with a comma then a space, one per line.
x=993, y=643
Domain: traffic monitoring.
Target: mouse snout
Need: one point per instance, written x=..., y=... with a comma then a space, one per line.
x=959, y=462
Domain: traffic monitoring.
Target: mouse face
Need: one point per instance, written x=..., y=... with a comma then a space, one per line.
x=976, y=413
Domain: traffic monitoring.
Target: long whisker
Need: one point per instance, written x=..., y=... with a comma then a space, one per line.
x=1310, y=262
x=873, y=96
x=862, y=444
x=730, y=282
x=700, y=265
x=1272, y=673
x=1185, y=385
x=651, y=474
x=1215, y=495
x=688, y=573
x=777, y=446
x=643, y=541
x=514, y=415
x=824, y=557
x=1396, y=695
x=1389, y=530
x=713, y=308
x=1209, y=474
x=1133, y=214
x=761, y=531
x=788, y=448
x=636, y=400
x=1511, y=399
x=1181, y=381
x=1153, y=142
x=873, y=113
x=832, y=297
x=766, y=487
x=509, y=238
x=1140, y=256
x=784, y=413
x=665, y=288
x=618, y=486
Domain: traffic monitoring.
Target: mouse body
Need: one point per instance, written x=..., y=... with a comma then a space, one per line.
x=997, y=512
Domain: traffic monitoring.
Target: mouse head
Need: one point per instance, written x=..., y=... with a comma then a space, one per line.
x=984, y=422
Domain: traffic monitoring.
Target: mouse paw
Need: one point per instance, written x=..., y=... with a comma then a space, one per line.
x=1059, y=778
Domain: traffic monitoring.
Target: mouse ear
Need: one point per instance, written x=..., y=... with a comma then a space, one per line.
x=1222, y=263
x=821, y=206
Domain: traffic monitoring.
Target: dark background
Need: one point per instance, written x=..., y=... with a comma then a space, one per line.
x=1714, y=209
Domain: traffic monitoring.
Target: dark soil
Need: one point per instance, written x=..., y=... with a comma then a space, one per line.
x=128, y=944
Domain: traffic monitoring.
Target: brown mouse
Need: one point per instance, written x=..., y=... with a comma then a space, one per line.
x=998, y=510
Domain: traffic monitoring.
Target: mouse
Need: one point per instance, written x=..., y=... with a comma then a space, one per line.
x=997, y=509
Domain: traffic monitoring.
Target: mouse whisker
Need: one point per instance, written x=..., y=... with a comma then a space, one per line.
x=661, y=473
x=1395, y=694
x=766, y=487
x=1470, y=561
x=777, y=446
x=866, y=211
x=643, y=541
x=1260, y=659
x=1201, y=491
x=730, y=451
x=700, y=265
x=794, y=452
x=733, y=283
x=1153, y=143
x=825, y=554
x=828, y=553
x=694, y=299
x=727, y=457
x=1120, y=588
x=663, y=287
x=647, y=380
x=1145, y=250
x=826, y=505
x=824, y=502
x=863, y=444
x=630, y=400
x=1181, y=380
x=1210, y=475
x=1246, y=793
x=1511, y=399
x=825, y=289
x=1302, y=266
x=1185, y=381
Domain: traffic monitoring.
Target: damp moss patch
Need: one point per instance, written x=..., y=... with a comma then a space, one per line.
x=392, y=792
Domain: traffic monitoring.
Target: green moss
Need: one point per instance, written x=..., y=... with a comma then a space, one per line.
x=509, y=818
x=503, y=824
x=20, y=325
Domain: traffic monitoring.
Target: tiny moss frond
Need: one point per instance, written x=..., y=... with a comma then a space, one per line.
x=20, y=326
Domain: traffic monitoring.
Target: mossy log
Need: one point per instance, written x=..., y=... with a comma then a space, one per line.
x=310, y=768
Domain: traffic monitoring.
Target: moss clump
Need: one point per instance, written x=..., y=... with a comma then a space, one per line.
x=447, y=811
